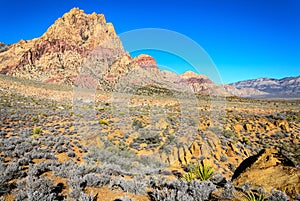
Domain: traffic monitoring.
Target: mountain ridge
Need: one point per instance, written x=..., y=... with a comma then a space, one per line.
x=75, y=39
x=288, y=87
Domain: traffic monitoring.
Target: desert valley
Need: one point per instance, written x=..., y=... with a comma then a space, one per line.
x=81, y=119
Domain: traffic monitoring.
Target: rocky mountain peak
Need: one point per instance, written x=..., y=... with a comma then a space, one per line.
x=145, y=61
x=60, y=52
x=191, y=74
x=78, y=28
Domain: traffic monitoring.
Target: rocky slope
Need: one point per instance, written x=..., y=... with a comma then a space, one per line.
x=272, y=88
x=269, y=169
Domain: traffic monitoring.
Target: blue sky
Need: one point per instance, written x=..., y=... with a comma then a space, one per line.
x=245, y=38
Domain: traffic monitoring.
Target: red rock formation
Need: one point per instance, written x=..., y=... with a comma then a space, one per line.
x=145, y=61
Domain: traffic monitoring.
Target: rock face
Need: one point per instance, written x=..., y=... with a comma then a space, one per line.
x=269, y=169
x=271, y=88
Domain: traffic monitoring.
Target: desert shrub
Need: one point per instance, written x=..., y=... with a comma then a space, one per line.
x=230, y=134
x=23, y=148
x=35, y=189
x=12, y=171
x=66, y=169
x=77, y=185
x=152, y=140
x=61, y=149
x=3, y=177
x=92, y=179
x=39, y=169
x=4, y=188
x=50, y=156
x=246, y=187
x=228, y=191
x=34, y=118
x=124, y=161
x=71, y=154
x=21, y=193
x=77, y=144
x=277, y=195
x=136, y=185
x=292, y=118
x=103, y=122
x=223, y=158
x=137, y=124
x=85, y=197
x=36, y=155
x=183, y=191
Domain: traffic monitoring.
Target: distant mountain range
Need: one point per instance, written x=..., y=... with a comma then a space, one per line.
x=82, y=49
x=272, y=88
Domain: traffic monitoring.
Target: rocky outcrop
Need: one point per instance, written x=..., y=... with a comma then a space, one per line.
x=269, y=169
x=145, y=61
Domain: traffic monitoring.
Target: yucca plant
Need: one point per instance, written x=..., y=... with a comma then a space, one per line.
x=189, y=177
x=203, y=172
x=200, y=172
x=250, y=196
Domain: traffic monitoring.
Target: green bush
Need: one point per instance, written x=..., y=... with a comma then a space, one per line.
x=37, y=131
x=34, y=119
x=103, y=122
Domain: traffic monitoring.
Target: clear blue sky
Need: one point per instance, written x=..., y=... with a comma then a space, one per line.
x=245, y=38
